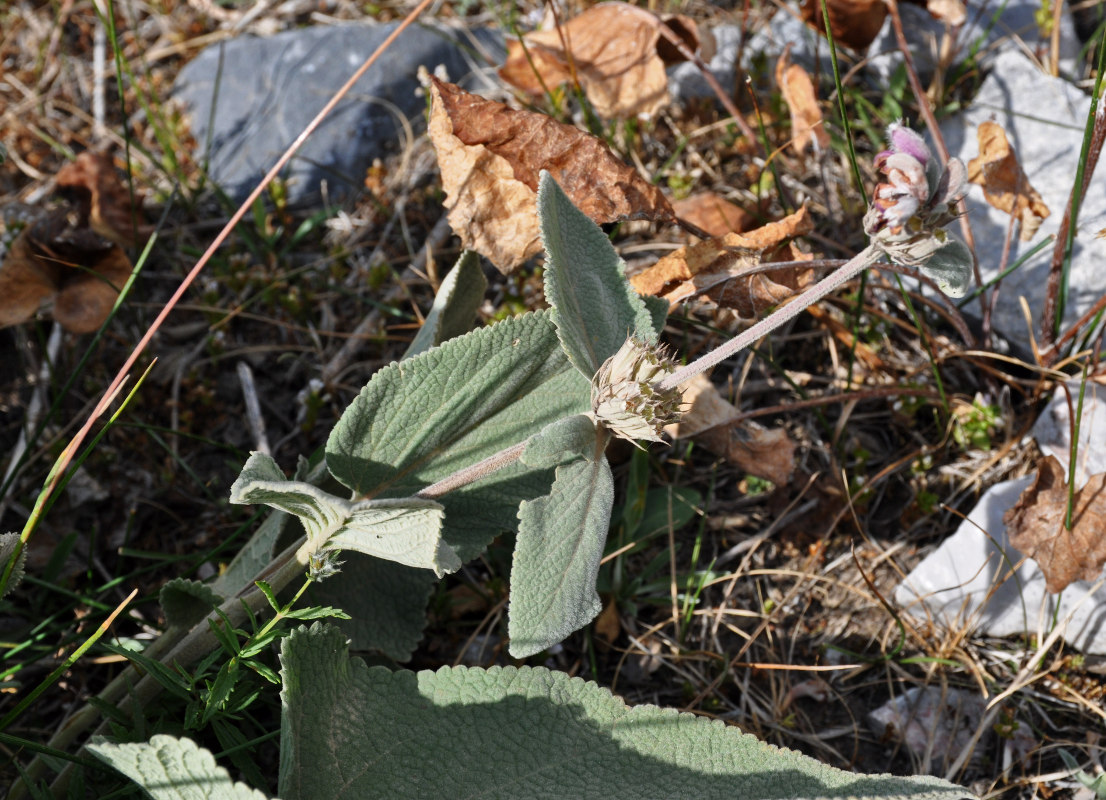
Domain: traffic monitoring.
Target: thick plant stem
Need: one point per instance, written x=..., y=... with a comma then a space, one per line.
x=846, y=272
x=173, y=647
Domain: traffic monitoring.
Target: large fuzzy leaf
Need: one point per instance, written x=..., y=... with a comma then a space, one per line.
x=168, y=768
x=560, y=544
x=407, y=531
x=350, y=731
x=386, y=603
x=422, y=419
x=596, y=310
x=455, y=305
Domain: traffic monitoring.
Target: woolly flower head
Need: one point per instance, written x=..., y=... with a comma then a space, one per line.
x=915, y=196
x=625, y=397
x=912, y=202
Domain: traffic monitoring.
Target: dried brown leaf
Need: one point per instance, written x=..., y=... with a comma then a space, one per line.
x=490, y=154
x=802, y=101
x=608, y=625
x=714, y=422
x=91, y=183
x=1005, y=185
x=25, y=282
x=71, y=253
x=618, y=53
x=87, y=295
x=492, y=212
x=1035, y=526
x=713, y=213
x=715, y=267
x=951, y=12
x=853, y=23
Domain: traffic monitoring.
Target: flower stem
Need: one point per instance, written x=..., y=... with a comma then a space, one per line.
x=847, y=271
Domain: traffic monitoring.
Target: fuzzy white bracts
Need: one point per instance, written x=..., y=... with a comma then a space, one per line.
x=625, y=397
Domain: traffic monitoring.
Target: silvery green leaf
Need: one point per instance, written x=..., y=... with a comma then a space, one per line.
x=422, y=419
x=455, y=305
x=168, y=768
x=658, y=312
x=186, y=602
x=596, y=308
x=9, y=542
x=262, y=482
x=561, y=441
x=557, y=555
x=354, y=731
x=950, y=267
x=386, y=603
x=406, y=531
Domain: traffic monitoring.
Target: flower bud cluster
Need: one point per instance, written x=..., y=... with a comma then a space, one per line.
x=625, y=397
x=914, y=199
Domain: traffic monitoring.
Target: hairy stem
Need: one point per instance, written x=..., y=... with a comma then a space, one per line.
x=846, y=272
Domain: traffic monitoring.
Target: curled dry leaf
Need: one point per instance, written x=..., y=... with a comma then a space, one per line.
x=951, y=12
x=853, y=23
x=717, y=267
x=716, y=424
x=1035, y=526
x=802, y=101
x=1005, y=185
x=71, y=252
x=616, y=49
x=92, y=185
x=713, y=213
x=491, y=157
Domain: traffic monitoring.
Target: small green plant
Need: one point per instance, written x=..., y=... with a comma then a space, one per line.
x=974, y=425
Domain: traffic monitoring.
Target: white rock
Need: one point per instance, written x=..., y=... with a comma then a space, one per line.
x=1044, y=118
x=968, y=579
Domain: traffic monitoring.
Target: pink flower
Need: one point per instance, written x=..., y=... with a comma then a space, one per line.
x=913, y=186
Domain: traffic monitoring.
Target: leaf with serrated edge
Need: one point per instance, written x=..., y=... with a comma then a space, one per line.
x=596, y=310
x=386, y=603
x=454, y=307
x=186, y=602
x=168, y=768
x=8, y=544
x=523, y=733
x=406, y=531
x=422, y=419
x=557, y=555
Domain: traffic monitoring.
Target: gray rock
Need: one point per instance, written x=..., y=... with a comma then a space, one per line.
x=984, y=34
x=250, y=97
x=1044, y=119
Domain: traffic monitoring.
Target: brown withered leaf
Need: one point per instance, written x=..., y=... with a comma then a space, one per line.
x=767, y=453
x=492, y=212
x=70, y=253
x=92, y=185
x=618, y=52
x=491, y=157
x=1005, y=185
x=715, y=267
x=713, y=213
x=802, y=101
x=951, y=12
x=853, y=23
x=1035, y=526
x=25, y=282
